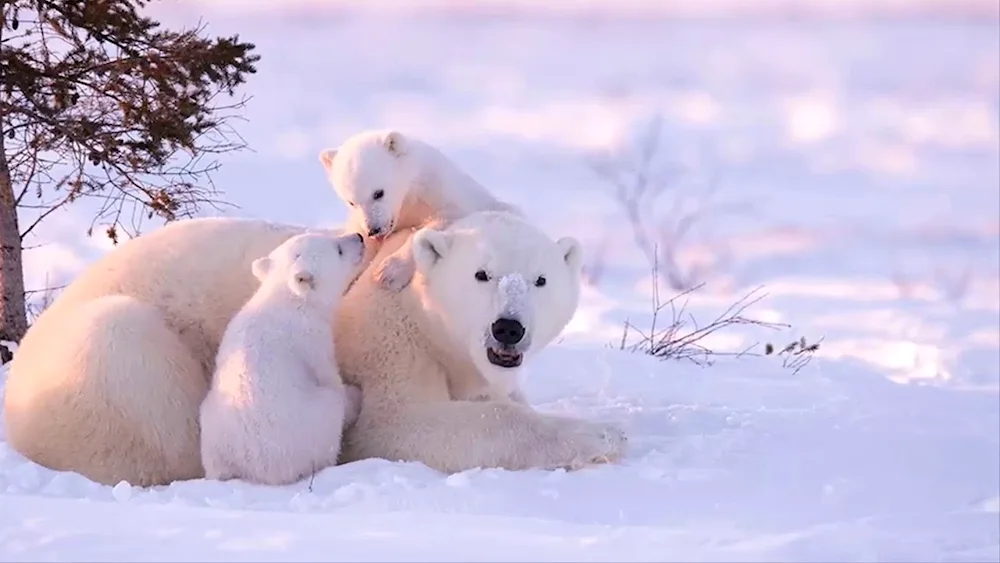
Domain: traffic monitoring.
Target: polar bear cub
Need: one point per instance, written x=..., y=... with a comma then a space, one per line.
x=392, y=182
x=277, y=407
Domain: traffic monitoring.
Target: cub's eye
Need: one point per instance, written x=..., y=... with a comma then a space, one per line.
x=482, y=276
x=340, y=251
x=379, y=194
x=350, y=203
x=540, y=281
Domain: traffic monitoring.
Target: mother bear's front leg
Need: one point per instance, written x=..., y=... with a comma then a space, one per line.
x=416, y=353
x=454, y=436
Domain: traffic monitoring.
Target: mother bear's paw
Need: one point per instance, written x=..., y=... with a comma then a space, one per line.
x=581, y=443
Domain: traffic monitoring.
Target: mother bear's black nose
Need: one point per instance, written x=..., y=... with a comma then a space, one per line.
x=507, y=331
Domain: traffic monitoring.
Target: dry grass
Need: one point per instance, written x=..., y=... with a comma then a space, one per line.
x=796, y=354
x=674, y=333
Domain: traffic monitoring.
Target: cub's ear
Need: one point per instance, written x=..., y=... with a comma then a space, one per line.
x=260, y=267
x=429, y=246
x=572, y=253
x=326, y=157
x=302, y=282
x=395, y=143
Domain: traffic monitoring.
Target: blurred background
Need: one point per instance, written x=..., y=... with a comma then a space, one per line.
x=843, y=154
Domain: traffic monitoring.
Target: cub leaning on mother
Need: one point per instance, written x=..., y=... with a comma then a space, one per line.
x=109, y=379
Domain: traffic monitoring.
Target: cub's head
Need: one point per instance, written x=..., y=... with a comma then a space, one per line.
x=315, y=266
x=372, y=172
x=499, y=286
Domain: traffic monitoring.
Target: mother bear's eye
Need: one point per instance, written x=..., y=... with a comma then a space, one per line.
x=540, y=281
x=379, y=194
x=482, y=276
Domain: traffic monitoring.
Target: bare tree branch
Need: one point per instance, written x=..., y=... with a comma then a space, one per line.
x=639, y=190
x=100, y=102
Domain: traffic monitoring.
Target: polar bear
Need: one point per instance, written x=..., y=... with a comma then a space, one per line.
x=277, y=406
x=436, y=360
x=392, y=182
x=109, y=379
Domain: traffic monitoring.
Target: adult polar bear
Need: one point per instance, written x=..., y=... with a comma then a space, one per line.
x=109, y=379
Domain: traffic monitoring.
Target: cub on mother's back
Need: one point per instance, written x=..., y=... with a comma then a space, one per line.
x=392, y=182
x=277, y=407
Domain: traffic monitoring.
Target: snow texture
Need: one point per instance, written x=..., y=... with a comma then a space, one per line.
x=834, y=465
x=862, y=159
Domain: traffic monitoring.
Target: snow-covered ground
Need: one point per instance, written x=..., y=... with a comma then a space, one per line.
x=863, y=157
x=735, y=463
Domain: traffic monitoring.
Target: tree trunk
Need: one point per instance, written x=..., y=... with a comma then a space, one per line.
x=13, y=317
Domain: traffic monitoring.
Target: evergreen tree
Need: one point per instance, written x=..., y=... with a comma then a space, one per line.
x=99, y=101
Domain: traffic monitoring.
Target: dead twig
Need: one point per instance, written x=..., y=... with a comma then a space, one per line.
x=683, y=338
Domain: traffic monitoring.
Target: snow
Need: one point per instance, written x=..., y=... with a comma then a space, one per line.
x=732, y=463
x=867, y=155
x=512, y=294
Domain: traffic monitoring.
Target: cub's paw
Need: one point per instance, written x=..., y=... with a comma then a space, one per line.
x=591, y=443
x=395, y=273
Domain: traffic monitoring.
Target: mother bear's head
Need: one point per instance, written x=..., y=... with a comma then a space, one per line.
x=499, y=285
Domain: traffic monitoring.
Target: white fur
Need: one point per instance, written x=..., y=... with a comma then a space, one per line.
x=468, y=307
x=392, y=182
x=277, y=406
x=109, y=379
x=431, y=394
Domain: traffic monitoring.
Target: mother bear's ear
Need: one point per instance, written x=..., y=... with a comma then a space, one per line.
x=429, y=246
x=572, y=252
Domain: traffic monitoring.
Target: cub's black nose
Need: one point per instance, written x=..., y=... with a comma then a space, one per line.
x=507, y=331
x=374, y=232
x=360, y=238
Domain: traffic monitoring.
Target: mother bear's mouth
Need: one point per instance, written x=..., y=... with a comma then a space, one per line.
x=504, y=358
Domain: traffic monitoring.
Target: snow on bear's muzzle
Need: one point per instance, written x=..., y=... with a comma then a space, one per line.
x=378, y=222
x=507, y=338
